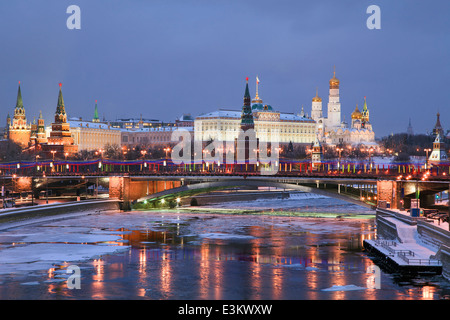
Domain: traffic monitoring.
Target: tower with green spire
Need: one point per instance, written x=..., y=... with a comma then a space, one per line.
x=96, y=118
x=41, y=135
x=365, y=112
x=19, y=130
x=60, y=114
x=246, y=143
x=60, y=139
x=247, y=115
x=19, y=110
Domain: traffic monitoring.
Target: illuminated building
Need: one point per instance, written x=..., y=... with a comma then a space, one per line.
x=438, y=155
x=18, y=130
x=331, y=130
x=224, y=124
x=60, y=141
x=93, y=135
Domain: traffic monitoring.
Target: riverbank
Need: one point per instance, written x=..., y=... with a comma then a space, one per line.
x=12, y=216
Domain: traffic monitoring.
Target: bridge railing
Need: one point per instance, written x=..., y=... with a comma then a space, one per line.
x=166, y=166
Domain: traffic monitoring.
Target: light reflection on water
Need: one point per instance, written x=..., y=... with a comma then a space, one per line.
x=233, y=257
x=272, y=264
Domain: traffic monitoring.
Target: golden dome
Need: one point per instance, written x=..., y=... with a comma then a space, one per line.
x=334, y=82
x=317, y=98
x=356, y=114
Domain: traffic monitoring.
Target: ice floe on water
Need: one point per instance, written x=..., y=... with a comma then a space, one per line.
x=225, y=236
x=42, y=246
x=26, y=257
x=349, y=287
x=31, y=283
x=297, y=202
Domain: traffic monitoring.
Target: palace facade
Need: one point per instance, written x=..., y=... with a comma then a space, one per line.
x=268, y=123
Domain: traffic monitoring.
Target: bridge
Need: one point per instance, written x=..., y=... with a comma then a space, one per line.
x=148, y=182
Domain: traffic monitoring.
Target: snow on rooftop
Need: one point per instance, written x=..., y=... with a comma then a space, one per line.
x=90, y=124
x=225, y=113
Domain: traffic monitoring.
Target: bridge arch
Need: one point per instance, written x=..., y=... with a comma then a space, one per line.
x=201, y=187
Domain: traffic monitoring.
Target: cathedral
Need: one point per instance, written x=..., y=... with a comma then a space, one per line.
x=331, y=130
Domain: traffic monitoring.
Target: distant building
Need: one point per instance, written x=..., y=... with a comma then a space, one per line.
x=141, y=123
x=409, y=130
x=186, y=120
x=438, y=130
x=159, y=136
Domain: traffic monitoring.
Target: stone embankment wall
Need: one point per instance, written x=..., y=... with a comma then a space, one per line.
x=46, y=210
x=385, y=228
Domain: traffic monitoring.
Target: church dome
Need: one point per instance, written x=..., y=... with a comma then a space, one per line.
x=334, y=82
x=356, y=114
x=257, y=106
x=317, y=99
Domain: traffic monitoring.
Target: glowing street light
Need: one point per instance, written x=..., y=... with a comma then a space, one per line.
x=167, y=150
x=426, y=160
x=339, y=150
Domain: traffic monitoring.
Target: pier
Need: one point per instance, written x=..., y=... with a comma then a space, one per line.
x=410, y=245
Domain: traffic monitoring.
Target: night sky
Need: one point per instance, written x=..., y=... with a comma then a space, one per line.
x=165, y=58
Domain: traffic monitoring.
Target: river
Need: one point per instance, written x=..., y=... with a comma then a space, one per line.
x=298, y=248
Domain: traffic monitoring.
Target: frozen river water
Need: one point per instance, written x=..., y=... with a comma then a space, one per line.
x=206, y=255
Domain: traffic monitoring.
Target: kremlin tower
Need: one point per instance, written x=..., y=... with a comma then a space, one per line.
x=439, y=154
x=438, y=130
x=365, y=114
x=60, y=140
x=246, y=140
x=247, y=115
x=96, y=118
x=38, y=135
x=18, y=130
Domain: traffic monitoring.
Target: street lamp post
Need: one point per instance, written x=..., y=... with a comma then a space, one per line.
x=46, y=188
x=339, y=161
x=370, y=158
x=166, y=151
x=426, y=160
